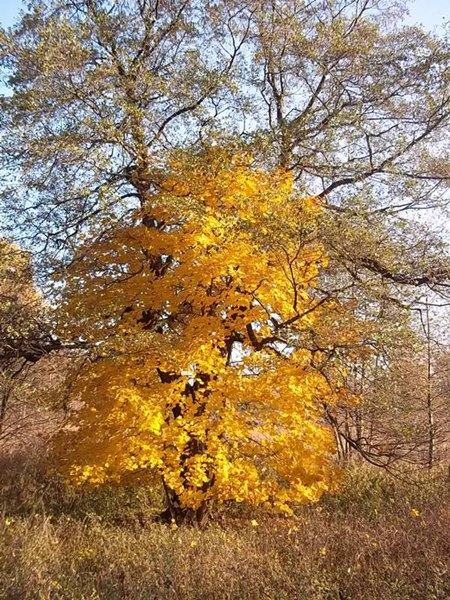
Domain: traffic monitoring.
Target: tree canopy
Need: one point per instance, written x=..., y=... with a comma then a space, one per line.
x=339, y=92
x=218, y=194
x=210, y=365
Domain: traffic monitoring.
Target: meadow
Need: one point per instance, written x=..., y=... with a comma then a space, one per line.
x=378, y=538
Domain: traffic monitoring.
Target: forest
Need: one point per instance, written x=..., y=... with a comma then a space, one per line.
x=224, y=292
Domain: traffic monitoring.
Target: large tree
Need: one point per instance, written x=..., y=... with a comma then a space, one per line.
x=337, y=95
x=339, y=92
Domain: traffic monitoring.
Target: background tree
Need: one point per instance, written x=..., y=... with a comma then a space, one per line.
x=22, y=337
x=339, y=91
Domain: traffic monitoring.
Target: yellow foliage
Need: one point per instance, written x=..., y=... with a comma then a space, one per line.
x=200, y=310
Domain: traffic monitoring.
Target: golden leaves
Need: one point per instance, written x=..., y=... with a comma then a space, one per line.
x=183, y=307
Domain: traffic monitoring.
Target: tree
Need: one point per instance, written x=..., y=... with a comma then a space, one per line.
x=336, y=93
x=211, y=369
x=21, y=334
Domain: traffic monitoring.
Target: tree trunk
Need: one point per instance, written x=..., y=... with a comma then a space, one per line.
x=180, y=515
x=430, y=407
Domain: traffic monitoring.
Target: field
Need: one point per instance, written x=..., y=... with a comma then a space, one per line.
x=379, y=538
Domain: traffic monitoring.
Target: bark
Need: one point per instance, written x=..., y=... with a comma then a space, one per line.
x=176, y=513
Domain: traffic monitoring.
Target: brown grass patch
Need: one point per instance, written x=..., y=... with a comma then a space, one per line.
x=378, y=540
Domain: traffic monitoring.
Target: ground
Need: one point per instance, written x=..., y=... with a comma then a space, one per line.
x=379, y=538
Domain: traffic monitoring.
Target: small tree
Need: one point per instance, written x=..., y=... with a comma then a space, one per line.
x=213, y=349
x=21, y=331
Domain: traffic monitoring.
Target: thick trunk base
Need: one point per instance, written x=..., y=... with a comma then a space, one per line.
x=179, y=514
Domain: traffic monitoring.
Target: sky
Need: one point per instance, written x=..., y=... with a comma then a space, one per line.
x=430, y=13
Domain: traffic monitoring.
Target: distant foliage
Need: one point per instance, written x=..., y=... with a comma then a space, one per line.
x=19, y=301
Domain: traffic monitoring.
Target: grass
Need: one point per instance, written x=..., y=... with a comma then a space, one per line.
x=379, y=539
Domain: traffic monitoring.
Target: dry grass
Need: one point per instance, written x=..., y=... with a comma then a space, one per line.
x=378, y=540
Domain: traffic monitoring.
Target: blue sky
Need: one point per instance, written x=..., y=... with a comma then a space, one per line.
x=8, y=11
x=430, y=13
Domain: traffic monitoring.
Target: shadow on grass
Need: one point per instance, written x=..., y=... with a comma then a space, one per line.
x=26, y=490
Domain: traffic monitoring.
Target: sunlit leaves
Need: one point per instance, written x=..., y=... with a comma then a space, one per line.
x=196, y=312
